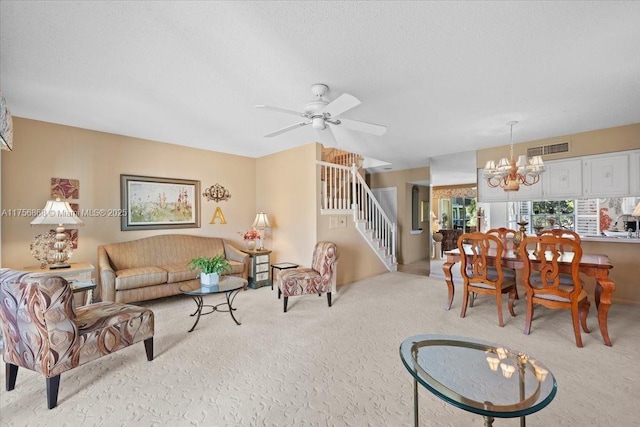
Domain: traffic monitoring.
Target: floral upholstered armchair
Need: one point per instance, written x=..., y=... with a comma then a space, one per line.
x=45, y=333
x=319, y=279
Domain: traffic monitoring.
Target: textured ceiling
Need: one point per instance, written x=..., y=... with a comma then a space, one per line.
x=444, y=77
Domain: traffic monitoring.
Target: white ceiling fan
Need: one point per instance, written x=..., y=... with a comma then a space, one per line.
x=319, y=113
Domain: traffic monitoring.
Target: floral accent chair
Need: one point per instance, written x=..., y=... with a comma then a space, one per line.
x=319, y=279
x=45, y=333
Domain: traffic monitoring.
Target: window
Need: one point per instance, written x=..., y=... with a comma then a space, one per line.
x=545, y=214
x=463, y=211
x=554, y=214
x=587, y=217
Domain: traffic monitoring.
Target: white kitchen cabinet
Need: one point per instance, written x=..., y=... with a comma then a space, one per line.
x=563, y=179
x=606, y=175
x=528, y=192
x=597, y=176
x=634, y=173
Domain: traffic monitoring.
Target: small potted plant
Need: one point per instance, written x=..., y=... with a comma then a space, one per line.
x=210, y=268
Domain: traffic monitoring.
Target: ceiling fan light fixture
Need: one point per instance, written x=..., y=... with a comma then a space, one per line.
x=318, y=123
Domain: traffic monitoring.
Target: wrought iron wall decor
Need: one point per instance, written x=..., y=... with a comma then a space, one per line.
x=216, y=193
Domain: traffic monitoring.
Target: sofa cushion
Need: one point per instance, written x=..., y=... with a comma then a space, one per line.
x=133, y=278
x=179, y=273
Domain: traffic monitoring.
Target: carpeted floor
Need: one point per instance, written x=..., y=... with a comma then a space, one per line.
x=321, y=366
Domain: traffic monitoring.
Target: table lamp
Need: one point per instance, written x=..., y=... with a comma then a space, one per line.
x=59, y=213
x=260, y=223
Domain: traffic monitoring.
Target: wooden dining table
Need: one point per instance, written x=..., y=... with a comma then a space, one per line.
x=591, y=265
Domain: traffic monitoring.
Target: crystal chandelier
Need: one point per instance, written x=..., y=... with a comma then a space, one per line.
x=509, y=173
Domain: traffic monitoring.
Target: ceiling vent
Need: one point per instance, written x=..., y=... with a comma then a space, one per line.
x=561, y=147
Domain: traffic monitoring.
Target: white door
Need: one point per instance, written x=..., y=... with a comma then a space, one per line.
x=388, y=199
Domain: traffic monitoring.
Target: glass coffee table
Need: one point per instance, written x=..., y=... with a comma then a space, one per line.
x=229, y=285
x=477, y=376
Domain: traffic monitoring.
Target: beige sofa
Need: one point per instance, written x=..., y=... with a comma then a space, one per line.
x=155, y=267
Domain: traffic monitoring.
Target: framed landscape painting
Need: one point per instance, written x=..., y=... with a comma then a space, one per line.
x=152, y=203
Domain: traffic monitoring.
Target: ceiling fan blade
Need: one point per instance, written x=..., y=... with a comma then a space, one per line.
x=326, y=137
x=281, y=110
x=359, y=126
x=350, y=141
x=341, y=104
x=288, y=128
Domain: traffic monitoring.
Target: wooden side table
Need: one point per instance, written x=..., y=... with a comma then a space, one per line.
x=259, y=271
x=77, y=272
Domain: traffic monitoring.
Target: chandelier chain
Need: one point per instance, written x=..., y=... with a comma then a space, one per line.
x=511, y=139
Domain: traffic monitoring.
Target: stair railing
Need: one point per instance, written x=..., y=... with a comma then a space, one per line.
x=337, y=182
x=344, y=189
x=367, y=208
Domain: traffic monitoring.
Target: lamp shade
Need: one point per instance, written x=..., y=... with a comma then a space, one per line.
x=261, y=221
x=636, y=211
x=6, y=126
x=57, y=212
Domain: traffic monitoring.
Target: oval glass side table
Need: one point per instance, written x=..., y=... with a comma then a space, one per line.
x=480, y=377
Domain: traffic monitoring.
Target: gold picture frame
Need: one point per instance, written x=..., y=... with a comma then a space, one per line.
x=153, y=203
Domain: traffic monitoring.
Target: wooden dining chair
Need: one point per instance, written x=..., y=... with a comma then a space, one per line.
x=561, y=232
x=569, y=234
x=543, y=258
x=506, y=236
x=480, y=276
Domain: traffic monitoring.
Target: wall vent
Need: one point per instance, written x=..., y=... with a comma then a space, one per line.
x=561, y=147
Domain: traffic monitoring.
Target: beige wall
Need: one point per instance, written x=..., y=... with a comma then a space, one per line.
x=284, y=185
x=44, y=150
x=624, y=257
x=285, y=190
x=357, y=260
x=288, y=189
x=411, y=247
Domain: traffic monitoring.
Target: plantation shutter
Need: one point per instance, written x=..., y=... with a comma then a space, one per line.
x=587, y=218
x=518, y=211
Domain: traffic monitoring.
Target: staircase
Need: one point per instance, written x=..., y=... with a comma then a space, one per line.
x=344, y=192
